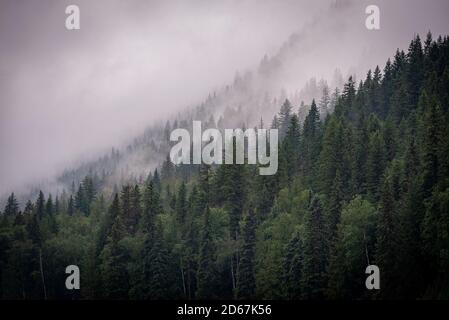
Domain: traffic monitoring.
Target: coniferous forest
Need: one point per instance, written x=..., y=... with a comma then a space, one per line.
x=364, y=184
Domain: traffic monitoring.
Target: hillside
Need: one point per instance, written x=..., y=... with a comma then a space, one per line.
x=363, y=179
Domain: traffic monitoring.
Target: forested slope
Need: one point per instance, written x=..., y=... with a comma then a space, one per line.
x=366, y=184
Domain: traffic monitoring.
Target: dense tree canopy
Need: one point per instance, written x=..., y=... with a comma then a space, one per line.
x=365, y=184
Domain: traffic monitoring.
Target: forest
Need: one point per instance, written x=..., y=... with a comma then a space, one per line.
x=366, y=183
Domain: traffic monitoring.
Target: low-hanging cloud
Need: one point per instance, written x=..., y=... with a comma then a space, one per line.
x=71, y=94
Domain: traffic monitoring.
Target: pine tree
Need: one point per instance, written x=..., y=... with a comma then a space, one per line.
x=290, y=152
x=246, y=283
x=125, y=200
x=12, y=207
x=49, y=206
x=151, y=208
x=436, y=244
x=157, y=181
x=70, y=206
x=29, y=208
x=50, y=216
x=275, y=122
x=431, y=138
x=325, y=100
x=89, y=193
x=33, y=230
x=57, y=206
x=315, y=252
x=168, y=169
x=375, y=164
x=135, y=210
x=310, y=145
x=181, y=204
x=415, y=59
x=206, y=275
x=115, y=259
x=292, y=268
x=156, y=279
x=388, y=241
x=411, y=213
x=284, y=118
x=333, y=157
x=40, y=205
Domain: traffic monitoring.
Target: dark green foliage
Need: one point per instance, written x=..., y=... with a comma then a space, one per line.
x=310, y=145
x=40, y=205
x=313, y=277
x=246, y=273
x=156, y=281
x=114, y=258
x=283, y=121
x=181, y=204
x=206, y=277
x=292, y=268
x=289, y=154
x=363, y=179
x=12, y=207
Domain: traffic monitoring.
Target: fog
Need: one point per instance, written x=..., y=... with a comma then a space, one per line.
x=68, y=95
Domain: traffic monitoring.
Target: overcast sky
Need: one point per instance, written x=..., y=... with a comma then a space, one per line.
x=66, y=94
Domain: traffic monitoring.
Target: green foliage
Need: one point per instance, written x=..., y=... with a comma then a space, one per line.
x=353, y=250
x=369, y=184
x=245, y=273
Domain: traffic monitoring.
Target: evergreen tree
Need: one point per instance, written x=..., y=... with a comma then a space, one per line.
x=12, y=207
x=151, y=208
x=246, y=284
x=388, y=240
x=135, y=210
x=315, y=252
x=375, y=164
x=40, y=205
x=206, y=275
x=292, y=268
x=181, y=204
x=284, y=118
x=310, y=145
x=156, y=279
x=70, y=206
x=114, y=258
x=290, y=152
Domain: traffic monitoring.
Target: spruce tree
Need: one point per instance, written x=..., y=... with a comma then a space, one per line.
x=181, y=204
x=315, y=252
x=70, y=206
x=12, y=207
x=292, y=268
x=206, y=274
x=115, y=258
x=246, y=283
x=40, y=205
x=310, y=145
x=388, y=241
x=156, y=263
x=284, y=118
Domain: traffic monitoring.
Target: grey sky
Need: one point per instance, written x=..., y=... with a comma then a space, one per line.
x=66, y=94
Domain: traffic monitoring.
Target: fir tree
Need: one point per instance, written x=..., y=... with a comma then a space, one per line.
x=315, y=252
x=12, y=207
x=40, y=205
x=246, y=284
x=181, y=204
x=292, y=268
x=284, y=118
x=206, y=262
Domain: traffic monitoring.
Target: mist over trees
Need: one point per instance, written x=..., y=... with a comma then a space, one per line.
x=363, y=179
